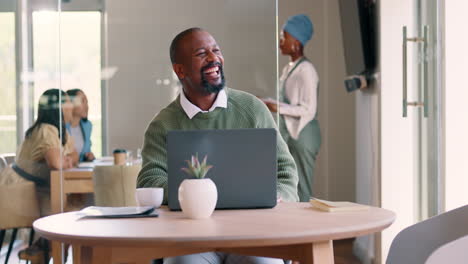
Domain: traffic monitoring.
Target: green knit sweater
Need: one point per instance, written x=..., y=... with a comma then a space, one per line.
x=243, y=111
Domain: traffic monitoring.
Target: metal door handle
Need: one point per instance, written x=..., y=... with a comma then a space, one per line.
x=405, y=81
x=405, y=72
x=425, y=71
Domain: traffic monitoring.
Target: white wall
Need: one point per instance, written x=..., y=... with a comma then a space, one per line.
x=367, y=159
x=335, y=173
x=454, y=102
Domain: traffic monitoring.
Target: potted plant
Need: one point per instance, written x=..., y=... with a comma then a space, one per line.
x=197, y=195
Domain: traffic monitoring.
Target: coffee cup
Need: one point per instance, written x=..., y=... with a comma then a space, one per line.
x=120, y=156
x=149, y=196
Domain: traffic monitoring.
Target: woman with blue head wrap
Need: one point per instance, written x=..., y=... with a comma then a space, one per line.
x=298, y=96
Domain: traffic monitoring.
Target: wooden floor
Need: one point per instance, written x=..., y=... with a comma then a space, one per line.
x=343, y=250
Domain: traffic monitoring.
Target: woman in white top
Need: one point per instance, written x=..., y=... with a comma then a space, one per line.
x=298, y=102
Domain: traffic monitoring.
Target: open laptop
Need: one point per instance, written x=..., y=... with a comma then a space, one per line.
x=244, y=165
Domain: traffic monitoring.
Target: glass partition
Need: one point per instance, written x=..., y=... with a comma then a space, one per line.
x=115, y=66
x=138, y=79
x=117, y=55
x=30, y=138
x=137, y=40
x=7, y=82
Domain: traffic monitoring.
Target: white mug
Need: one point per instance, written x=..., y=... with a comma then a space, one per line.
x=149, y=196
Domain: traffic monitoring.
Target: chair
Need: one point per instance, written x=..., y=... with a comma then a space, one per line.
x=12, y=204
x=6, y=160
x=454, y=252
x=115, y=185
x=416, y=243
x=9, y=157
x=3, y=163
x=19, y=208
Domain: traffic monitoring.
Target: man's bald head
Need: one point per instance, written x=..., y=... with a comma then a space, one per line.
x=175, y=44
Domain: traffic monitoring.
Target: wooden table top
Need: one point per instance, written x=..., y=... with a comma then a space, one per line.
x=287, y=223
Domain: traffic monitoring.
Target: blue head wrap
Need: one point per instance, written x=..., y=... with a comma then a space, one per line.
x=300, y=27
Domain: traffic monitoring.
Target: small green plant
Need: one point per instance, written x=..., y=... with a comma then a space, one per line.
x=196, y=169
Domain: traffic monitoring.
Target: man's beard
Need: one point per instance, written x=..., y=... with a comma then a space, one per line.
x=212, y=88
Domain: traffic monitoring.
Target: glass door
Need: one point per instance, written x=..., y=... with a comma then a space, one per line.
x=428, y=113
x=421, y=49
x=410, y=115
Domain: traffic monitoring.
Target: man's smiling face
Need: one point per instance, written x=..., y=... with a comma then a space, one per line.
x=202, y=63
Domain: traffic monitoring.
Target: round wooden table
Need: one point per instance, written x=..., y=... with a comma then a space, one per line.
x=289, y=231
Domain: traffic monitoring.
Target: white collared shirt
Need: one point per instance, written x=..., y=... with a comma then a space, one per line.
x=191, y=110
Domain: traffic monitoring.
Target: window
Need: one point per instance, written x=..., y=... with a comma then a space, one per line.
x=7, y=83
x=79, y=64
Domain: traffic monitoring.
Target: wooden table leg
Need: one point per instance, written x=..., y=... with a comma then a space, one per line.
x=322, y=252
x=86, y=255
x=55, y=207
x=55, y=192
x=76, y=249
x=96, y=255
x=102, y=255
x=57, y=252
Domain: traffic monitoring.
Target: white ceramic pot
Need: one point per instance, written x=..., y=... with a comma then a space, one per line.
x=198, y=197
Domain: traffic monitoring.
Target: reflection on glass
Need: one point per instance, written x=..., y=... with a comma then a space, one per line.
x=46, y=147
x=298, y=101
x=7, y=83
x=78, y=63
x=138, y=39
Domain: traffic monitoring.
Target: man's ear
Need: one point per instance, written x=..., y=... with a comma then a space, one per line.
x=179, y=70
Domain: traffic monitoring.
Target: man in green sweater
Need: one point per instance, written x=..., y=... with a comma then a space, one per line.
x=205, y=103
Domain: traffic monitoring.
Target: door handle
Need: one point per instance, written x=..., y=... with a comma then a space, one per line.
x=405, y=78
x=425, y=71
x=416, y=40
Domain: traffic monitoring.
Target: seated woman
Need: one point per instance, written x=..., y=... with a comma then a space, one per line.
x=47, y=146
x=80, y=127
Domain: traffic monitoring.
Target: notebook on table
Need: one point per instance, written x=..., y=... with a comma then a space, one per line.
x=118, y=212
x=329, y=206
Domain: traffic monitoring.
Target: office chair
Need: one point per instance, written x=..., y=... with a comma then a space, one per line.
x=3, y=163
x=416, y=243
x=115, y=185
x=454, y=253
x=19, y=207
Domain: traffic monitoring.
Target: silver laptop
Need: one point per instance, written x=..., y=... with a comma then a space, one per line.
x=244, y=165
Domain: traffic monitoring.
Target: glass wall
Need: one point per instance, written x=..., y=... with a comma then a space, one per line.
x=7, y=82
x=86, y=78
x=30, y=144
x=80, y=59
x=137, y=43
